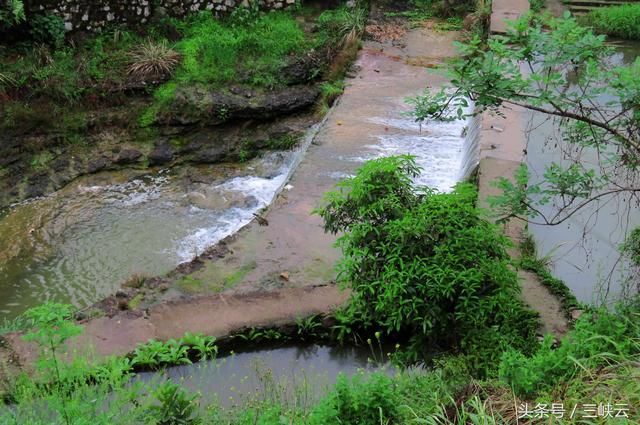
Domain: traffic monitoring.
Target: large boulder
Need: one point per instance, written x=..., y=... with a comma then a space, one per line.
x=194, y=105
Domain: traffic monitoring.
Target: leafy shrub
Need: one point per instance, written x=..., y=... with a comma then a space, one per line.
x=47, y=29
x=425, y=263
x=619, y=21
x=631, y=246
x=359, y=401
x=153, y=59
x=11, y=13
x=598, y=339
x=176, y=407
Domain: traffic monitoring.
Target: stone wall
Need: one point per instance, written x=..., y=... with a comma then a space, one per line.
x=91, y=15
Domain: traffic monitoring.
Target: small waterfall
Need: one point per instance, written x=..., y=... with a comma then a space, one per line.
x=471, y=152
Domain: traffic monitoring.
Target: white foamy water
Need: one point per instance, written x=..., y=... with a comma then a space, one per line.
x=439, y=148
x=233, y=219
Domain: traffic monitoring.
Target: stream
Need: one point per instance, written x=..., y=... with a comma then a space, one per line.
x=79, y=244
x=584, y=250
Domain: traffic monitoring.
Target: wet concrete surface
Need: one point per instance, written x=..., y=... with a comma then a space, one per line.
x=502, y=150
x=293, y=250
x=504, y=11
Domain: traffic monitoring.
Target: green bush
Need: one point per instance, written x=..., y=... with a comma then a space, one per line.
x=631, y=247
x=47, y=29
x=425, y=264
x=11, y=13
x=618, y=21
x=359, y=401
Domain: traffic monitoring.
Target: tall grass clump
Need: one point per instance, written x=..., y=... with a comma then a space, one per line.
x=617, y=21
x=426, y=265
x=600, y=338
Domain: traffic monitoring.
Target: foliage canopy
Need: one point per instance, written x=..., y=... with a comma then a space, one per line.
x=424, y=263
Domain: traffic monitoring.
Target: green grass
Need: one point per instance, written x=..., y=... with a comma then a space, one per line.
x=617, y=21
x=597, y=362
x=216, y=53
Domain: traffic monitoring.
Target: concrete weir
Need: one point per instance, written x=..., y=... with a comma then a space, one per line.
x=502, y=150
x=283, y=267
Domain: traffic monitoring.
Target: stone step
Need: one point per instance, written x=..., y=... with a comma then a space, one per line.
x=580, y=7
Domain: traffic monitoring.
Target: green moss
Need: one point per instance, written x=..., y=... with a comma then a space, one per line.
x=529, y=261
x=190, y=284
x=135, y=302
x=214, y=279
x=41, y=160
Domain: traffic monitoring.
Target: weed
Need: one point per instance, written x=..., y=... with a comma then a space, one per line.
x=343, y=25
x=285, y=142
x=261, y=335
x=176, y=406
x=50, y=327
x=537, y=5
x=330, y=91
x=452, y=23
x=212, y=50
x=619, y=21
x=17, y=324
x=309, y=327
x=599, y=338
x=136, y=280
x=153, y=58
x=530, y=261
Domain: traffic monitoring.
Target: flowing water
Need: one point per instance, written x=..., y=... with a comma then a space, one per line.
x=79, y=244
